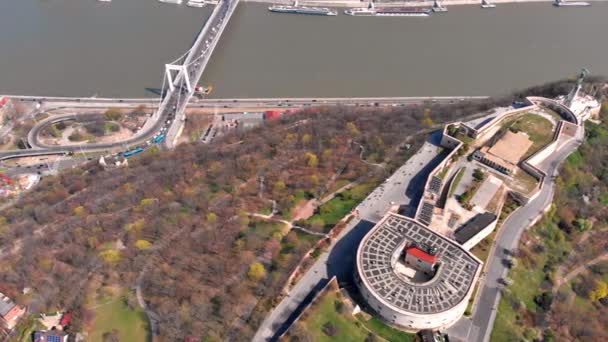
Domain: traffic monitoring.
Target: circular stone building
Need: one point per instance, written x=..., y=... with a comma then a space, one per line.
x=413, y=277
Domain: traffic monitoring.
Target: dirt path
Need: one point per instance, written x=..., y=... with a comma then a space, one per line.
x=578, y=270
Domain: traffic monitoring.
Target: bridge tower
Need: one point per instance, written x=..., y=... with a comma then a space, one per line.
x=177, y=75
x=579, y=82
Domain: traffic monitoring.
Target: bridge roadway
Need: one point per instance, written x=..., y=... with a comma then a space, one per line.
x=161, y=121
x=195, y=62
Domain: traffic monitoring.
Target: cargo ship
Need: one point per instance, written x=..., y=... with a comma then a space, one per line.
x=561, y=3
x=371, y=10
x=295, y=9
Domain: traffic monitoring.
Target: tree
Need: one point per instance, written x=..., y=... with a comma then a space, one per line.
x=256, y=271
x=352, y=129
x=142, y=245
x=583, y=224
x=113, y=114
x=600, y=291
x=311, y=159
x=478, y=175
x=544, y=301
x=211, y=218
x=427, y=121
x=111, y=256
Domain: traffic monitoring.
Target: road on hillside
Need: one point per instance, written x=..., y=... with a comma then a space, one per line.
x=479, y=328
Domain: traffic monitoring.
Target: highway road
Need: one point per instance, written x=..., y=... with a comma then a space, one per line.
x=196, y=102
x=479, y=328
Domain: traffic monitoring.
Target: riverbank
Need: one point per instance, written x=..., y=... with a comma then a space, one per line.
x=422, y=3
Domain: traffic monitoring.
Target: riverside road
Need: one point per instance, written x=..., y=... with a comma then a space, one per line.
x=157, y=122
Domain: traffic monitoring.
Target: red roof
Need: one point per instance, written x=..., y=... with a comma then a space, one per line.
x=422, y=255
x=273, y=114
x=66, y=319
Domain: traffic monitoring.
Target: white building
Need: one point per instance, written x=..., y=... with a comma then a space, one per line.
x=408, y=296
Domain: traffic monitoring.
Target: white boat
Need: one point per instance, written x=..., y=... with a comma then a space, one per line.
x=371, y=10
x=177, y=2
x=562, y=3
x=196, y=3
x=104, y=0
x=361, y=11
x=296, y=9
x=438, y=7
x=486, y=4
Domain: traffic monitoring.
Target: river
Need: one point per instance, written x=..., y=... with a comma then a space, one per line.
x=83, y=48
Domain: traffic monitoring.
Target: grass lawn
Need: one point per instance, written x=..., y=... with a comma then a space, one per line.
x=324, y=311
x=334, y=210
x=111, y=313
x=456, y=181
x=538, y=128
x=385, y=331
x=349, y=328
x=26, y=328
x=482, y=249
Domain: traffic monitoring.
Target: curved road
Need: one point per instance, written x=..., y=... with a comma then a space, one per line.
x=479, y=328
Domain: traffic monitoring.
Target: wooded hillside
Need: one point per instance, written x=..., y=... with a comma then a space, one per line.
x=178, y=220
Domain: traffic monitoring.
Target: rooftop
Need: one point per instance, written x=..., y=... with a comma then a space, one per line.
x=473, y=226
x=422, y=255
x=6, y=304
x=454, y=278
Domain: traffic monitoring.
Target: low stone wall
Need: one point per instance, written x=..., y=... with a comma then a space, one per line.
x=333, y=282
x=480, y=134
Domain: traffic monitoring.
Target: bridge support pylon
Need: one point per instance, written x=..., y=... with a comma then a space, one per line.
x=181, y=74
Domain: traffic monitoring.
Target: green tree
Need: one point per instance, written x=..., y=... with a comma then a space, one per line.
x=311, y=159
x=352, y=129
x=256, y=272
x=113, y=114
x=142, y=245
x=427, y=121
x=211, y=218
x=600, y=291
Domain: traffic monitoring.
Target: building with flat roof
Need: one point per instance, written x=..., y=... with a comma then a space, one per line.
x=9, y=312
x=401, y=291
x=51, y=336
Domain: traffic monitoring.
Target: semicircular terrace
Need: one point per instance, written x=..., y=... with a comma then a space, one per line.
x=410, y=303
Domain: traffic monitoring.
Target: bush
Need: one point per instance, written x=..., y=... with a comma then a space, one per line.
x=339, y=305
x=113, y=114
x=329, y=329
x=544, y=301
x=96, y=128
x=478, y=175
